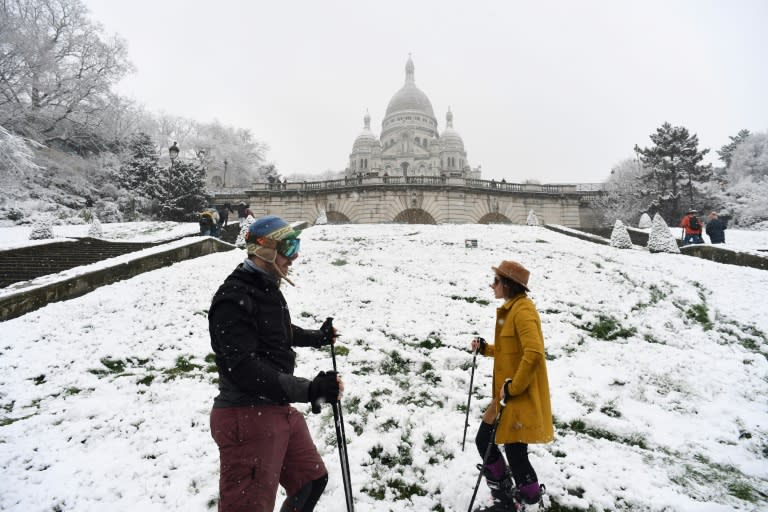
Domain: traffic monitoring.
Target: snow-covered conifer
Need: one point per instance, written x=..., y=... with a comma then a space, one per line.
x=532, y=220
x=42, y=229
x=620, y=236
x=240, y=242
x=645, y=221
x=95, y=230
x=661, y=239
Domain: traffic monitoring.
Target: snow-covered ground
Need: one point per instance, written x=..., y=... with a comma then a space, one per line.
x=657, y=367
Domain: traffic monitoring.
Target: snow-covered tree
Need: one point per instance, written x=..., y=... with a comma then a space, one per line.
x=660, y=238
x=185, y=192
x=240, y=242
x=673, y=168
x=620, y=236
x=726, y=152
x=532, y=219
x=15, y=154
x=750, y=158
x=95, y=230
x=42, y=229
x=322, y=218
x=56, y=70
x=645, y=221
x=140, y=171
x=623, y=198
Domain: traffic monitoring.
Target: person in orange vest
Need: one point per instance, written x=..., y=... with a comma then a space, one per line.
x=691, y=225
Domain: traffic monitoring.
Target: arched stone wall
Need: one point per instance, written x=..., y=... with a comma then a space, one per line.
x=494, y=218
x=414, y=216
x=337, y=218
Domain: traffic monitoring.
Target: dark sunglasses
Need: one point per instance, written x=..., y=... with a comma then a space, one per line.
x=289, y=248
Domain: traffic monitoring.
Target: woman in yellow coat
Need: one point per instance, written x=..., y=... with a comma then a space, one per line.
x=520, y=375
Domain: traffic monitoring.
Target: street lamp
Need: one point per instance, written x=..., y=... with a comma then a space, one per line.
x=224, y=180
x=201, y=157
x=173, y=152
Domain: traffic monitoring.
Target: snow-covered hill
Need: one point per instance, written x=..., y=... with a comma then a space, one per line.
x=657, y=367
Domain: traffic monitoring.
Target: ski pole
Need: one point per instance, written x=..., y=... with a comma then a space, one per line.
x=491, y=442
x=469, y=398
x=341, y=436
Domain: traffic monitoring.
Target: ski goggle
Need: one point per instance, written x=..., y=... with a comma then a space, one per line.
x=289, y=247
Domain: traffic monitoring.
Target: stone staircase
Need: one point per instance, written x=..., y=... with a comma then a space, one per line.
x=20, y=265
x=28, y=263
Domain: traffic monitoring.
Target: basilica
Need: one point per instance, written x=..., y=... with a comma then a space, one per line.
x=410, y=143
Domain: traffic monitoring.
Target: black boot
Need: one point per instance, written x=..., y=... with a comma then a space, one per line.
x=502, y=492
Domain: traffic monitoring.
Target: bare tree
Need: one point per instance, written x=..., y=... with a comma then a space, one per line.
x=56, y=70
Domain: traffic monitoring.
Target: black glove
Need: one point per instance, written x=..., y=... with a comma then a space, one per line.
x=324, y=388
x=483, y=343
x=327, y=332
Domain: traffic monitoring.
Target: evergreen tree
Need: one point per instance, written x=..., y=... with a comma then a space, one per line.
x=620, y=236
x=672, y=168
x=141, y=171
x=726, y=152
x=660, y=238
x=185, y=192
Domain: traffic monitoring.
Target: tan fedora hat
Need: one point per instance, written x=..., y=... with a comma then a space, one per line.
x=514, y=271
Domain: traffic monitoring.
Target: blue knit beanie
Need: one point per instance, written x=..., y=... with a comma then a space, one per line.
x=272, y=227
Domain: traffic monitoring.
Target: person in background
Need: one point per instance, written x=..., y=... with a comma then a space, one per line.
x=716, y=229
x=691, y=228
x=243, y=211
x=520, y=377
x=207, y=221
x=263, y=441
x=224, y=212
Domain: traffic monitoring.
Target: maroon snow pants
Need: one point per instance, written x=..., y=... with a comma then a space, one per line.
x=260, y=447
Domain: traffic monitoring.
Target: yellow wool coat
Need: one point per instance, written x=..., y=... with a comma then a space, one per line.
x=518, y=354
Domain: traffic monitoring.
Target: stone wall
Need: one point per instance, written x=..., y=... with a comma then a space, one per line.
x=17, y=304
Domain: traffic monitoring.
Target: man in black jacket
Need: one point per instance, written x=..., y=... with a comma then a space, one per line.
x=715, y=229
x=263, y=441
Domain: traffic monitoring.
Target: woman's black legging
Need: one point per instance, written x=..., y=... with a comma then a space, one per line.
x=517, y=455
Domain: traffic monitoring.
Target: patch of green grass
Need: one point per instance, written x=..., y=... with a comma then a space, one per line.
x=608, y=328
x=40, y=379
x=471, y=300
x=609, y=409
x=7, y=421
x=581, y=427
x=390, y=424
x=183, y=366
x=340, y=350
x=146, y=380
x=432, y=341
x=700, y=313
x=339, y=262
x=395, y=364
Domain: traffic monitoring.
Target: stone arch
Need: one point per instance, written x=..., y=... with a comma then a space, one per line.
x=414, y=216
x=494, y=218
x=337, y=218
x=216, y=181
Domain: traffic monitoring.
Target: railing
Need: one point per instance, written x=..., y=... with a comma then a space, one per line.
x=431, y=181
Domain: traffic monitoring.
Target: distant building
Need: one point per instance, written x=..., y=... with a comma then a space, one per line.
x=410, y=143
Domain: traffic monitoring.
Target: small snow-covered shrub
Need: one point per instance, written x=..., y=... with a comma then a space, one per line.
x=95, y=230
x=240, y=242
x=620, y=236
x=532, y=220
x=661, y=239
x=42, y=229
x=108, y=211
x=645, y=221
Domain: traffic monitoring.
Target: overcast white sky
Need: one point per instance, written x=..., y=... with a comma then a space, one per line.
x=558, y=91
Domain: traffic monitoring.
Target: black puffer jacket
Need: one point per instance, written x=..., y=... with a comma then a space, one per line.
x=252, y=337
